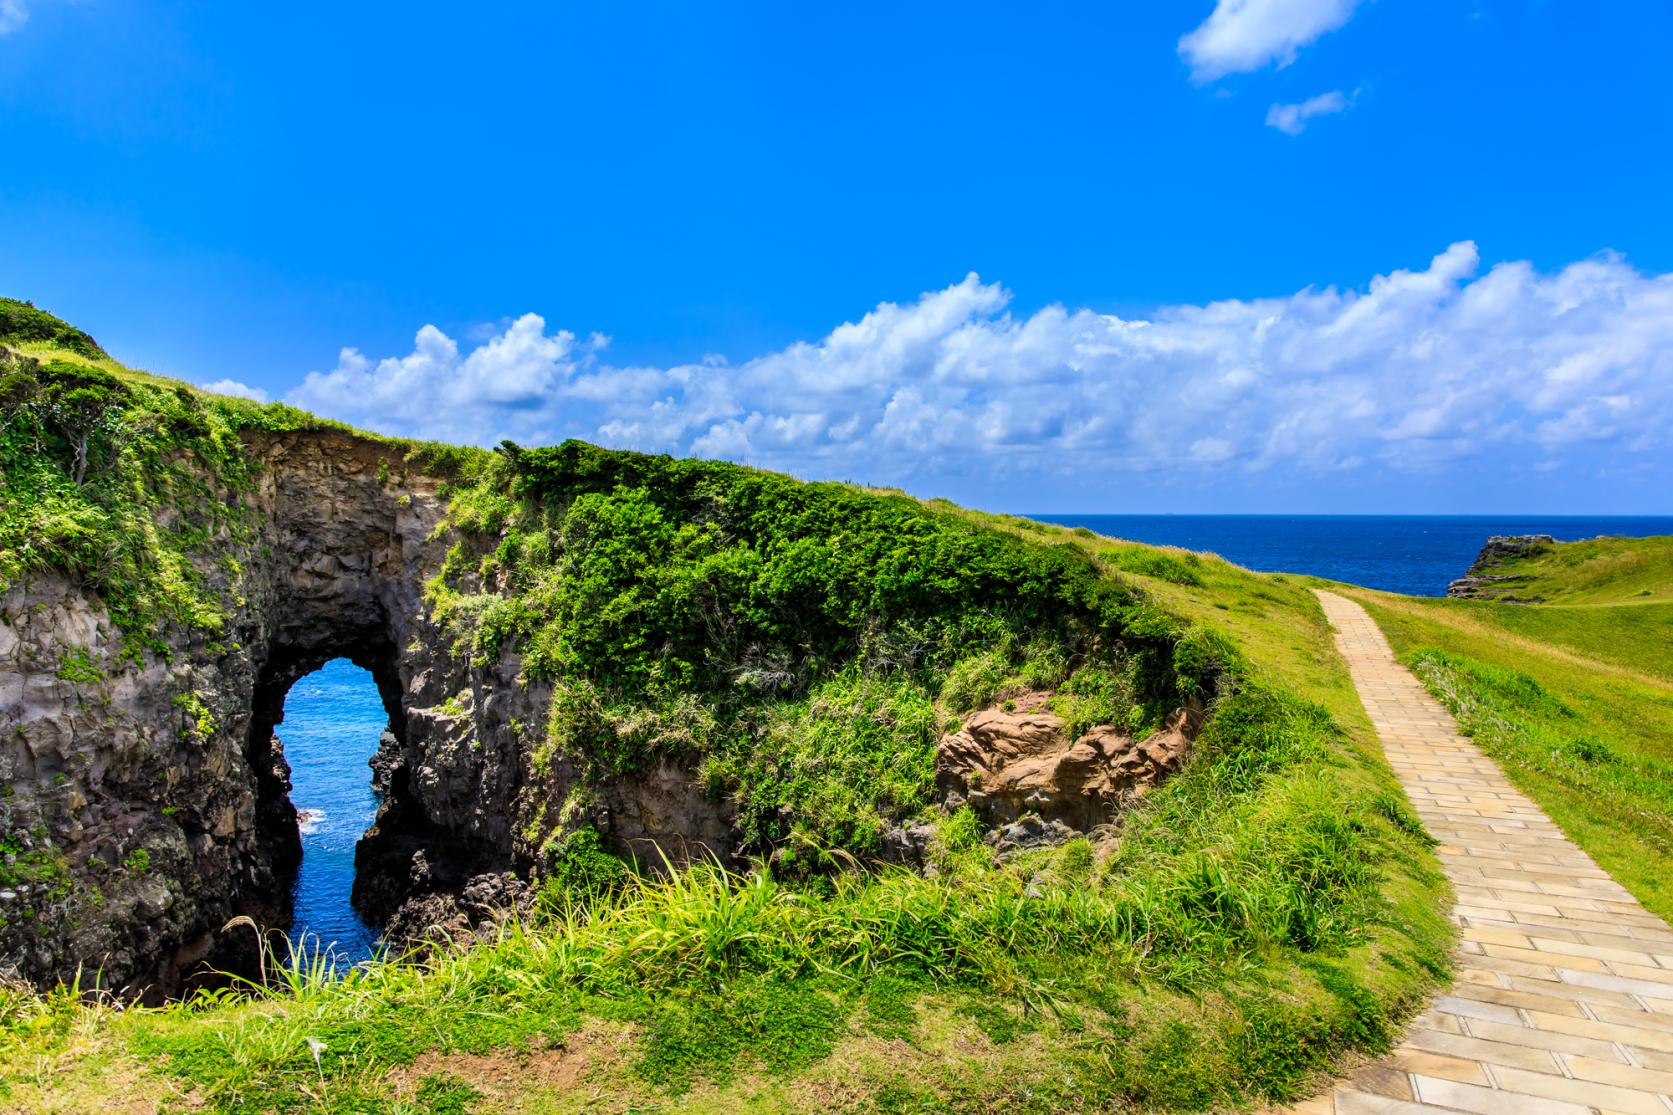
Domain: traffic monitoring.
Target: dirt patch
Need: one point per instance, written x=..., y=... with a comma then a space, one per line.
x=590, y=1053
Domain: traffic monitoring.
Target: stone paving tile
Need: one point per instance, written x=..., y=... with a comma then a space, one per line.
x=1564, y=997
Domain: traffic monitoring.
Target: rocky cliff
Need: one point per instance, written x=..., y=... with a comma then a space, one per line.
x=146, y=794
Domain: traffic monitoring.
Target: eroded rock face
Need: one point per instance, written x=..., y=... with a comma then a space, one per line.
x=1481, y=582
x=146, y=799
x=131, y=812
x=1007, y=763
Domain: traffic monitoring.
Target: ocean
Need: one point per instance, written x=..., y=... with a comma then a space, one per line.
x=333, y=717
x=1414, y=554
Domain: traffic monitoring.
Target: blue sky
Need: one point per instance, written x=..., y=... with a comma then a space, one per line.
x=1260, y=255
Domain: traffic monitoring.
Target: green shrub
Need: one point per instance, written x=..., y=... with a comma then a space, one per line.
x=786, y=637
x=973, y=680
x=578, y=868
x=1097, y=693
x=1160, y=564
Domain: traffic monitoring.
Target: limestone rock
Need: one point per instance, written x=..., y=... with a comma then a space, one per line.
x=1032, y=831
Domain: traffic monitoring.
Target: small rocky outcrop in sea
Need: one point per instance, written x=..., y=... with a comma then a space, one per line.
x=1011, y=763
x=1482, y=581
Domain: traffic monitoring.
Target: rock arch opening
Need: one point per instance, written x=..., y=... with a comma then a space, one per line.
x=148, y=783
x=334, y=721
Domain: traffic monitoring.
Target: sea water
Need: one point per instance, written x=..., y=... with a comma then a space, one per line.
x=1416, y=555
x=333, y=717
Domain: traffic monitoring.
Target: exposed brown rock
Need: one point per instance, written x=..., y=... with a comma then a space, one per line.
x=1007, y=763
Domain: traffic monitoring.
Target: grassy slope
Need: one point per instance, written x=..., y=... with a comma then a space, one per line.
x=1574, y=698
x=1266, y=911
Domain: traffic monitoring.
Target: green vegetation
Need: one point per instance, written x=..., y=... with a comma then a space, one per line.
x=790, y=638
x=1240, y=933
x=22, y=324
x=1266, y=911
x=133, y=483
x=1574, y=699
x=90, y=461
x=24, y=865
x=77, y=666
x=1260, y=913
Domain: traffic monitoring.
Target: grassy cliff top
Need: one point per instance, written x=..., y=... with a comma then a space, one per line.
x=21, y=323
x=1596, y=571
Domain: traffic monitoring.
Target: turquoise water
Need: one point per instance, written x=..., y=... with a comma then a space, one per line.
x=333, y=718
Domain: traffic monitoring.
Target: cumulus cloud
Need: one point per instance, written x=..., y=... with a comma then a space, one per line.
x=1420, y=371
x=13, y=14
x=1244, y=35
x=507, y=386
x=1292, y=119
x=236, y=389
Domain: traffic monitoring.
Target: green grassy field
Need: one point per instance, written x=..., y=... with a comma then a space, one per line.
x=1573, y=697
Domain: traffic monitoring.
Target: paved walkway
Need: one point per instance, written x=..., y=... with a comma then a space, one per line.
x=1564, y=997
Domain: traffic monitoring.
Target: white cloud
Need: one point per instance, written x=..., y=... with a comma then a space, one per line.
x=236, y=389
x=1243, y=35
x=505, y=387
x=13, y=14
x=1420, y=372
x=1292, y=119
